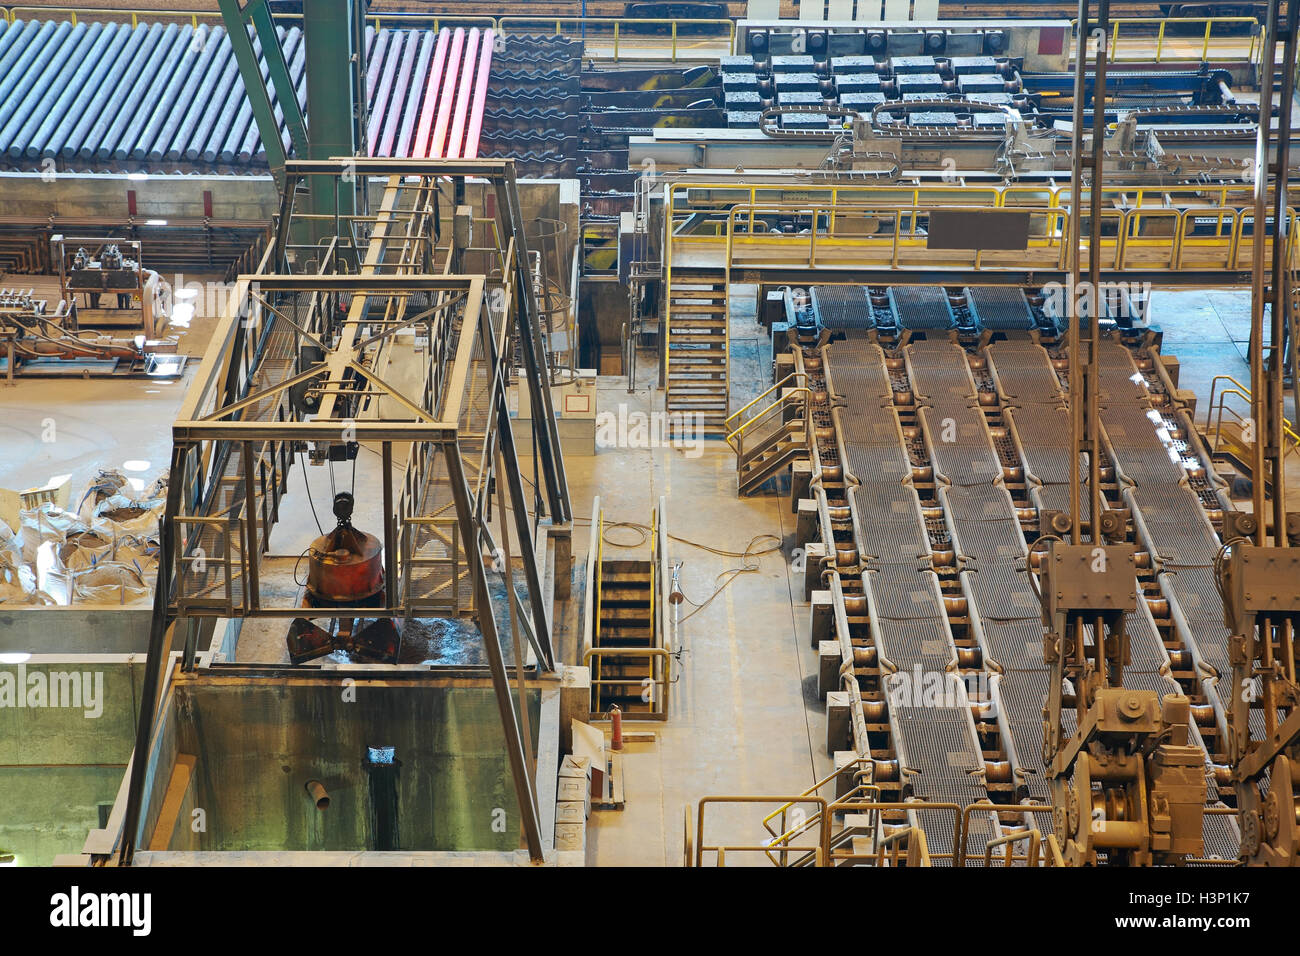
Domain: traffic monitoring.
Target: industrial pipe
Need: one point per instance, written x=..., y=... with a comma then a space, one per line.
x=319, y=795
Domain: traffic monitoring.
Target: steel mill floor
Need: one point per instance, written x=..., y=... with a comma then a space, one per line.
x=744, y=716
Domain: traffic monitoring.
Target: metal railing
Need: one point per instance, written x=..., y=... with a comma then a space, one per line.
x=654, y=687
x=644, y=35
x=891, y=844
x=1193, y=239
x=591, y=597
x=737, y=424
x=656, y=682
x=1244, y=393
x=820, y=849
x=689, y=200
x=1208, y=39
x=719, y=36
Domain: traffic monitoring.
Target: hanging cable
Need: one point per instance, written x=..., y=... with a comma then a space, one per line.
x=306, y=484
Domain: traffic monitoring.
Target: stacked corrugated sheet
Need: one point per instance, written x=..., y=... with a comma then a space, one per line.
x=157, y=97
x=107, y=96
x=533, y=105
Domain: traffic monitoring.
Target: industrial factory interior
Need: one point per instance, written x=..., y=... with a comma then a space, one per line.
x=671, y=433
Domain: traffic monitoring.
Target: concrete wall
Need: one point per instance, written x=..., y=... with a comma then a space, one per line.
x=76, y=196
x=62, y=755
x=74, y=630
x=258, y=742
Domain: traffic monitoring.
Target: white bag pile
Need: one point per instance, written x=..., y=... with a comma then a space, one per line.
x=106, y=552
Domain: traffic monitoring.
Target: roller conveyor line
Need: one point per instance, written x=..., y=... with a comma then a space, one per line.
x=1002, y=605
x=842, y=307
x=938, y=748
x=1000, y=309
x=1170, y=520
x=990, y=547
x=1175, y=529
x=933, y=456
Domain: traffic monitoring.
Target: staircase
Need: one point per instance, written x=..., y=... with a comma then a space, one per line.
x=770, y=433
x=697, y=345
x=770, y=453
x=625, y=619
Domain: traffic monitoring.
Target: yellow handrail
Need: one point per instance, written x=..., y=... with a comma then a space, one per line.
x=194, y=16
x=761, y=395
x=1288, y=427
x=779, y=403
x=821, y=849
x=1009, y=840
x=660, y=701
x=987, y=806
x=866, y=793
x=619, y=25
x=1162, y=23
x=857, y=761
x=910, y=806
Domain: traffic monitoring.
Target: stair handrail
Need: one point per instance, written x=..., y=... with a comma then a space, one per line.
x=662, y=589
x=819, y=815
x=659, y=686
x=591, y=597
x=854, y=766
x=783, y=401
x=1288, y=427
x=1009, y=840
x=763, y=394
x=862, y=794
x=998, y=809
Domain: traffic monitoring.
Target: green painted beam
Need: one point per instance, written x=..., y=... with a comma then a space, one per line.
x=278, y=69
x=258, y=97
x=329, y=30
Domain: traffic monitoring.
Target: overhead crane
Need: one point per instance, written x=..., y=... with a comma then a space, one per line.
x=298, y=365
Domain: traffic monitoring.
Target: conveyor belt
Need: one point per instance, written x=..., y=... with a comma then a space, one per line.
x=841, y=307
x=922, y=307
x=905, y=602
x=1002, y=604
x=1174, y=528
x=1000, y=309
x=938, y=748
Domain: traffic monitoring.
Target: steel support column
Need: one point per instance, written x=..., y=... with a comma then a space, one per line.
x=534, y=349
x=530, y=820
x=237, y=22
x=332, y=44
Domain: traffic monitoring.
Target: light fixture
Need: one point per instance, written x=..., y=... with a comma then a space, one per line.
x=15, y=657
x=155, y=222
x=137, y=177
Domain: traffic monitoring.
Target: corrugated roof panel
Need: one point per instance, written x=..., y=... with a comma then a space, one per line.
x=111, y=96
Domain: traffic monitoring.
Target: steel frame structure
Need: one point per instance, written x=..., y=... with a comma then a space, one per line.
x=1256, y=568
x=295, y=363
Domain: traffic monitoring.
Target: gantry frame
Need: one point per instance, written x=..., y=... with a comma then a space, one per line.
x=277, y=380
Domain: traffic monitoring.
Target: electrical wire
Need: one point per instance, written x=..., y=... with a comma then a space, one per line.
x=302, y=465
x=758, y=546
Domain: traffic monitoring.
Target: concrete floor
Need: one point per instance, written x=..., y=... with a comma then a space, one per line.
x=744, y=717
x=52, y=427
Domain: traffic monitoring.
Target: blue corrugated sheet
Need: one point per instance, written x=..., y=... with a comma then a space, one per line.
x=161, y=97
